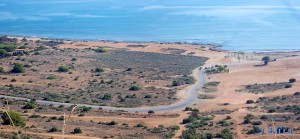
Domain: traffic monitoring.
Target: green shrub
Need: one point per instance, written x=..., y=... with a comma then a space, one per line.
x=18, y=68
x=35, y=116
x=225, y=134
x=254, y=130
x=8, y=47
x=112, y=123
x=85, y=109
x=27, y=66
x=188, y=120
x=206, y=136
x=288, y=86
x=53, y=129
x=256, y=123
x=30, y=105
x=297, y=94
x=292, y=80
x=228, y=118
x=81, y=114
x=74, y=59
x=175, y=83
x=175, y=127
x=272, y=110
x=264, y=117
x=15, y=117
x=23, y=47
x=51, y=77
x=77, y=130
x=36, y=53
x=99, y=70
x=13, y=80
x=248, y=118
x=63, y=69
x=107, y=97
x=3, y=53
x=189, y=134
x=188, y=109
x=148, y=96
x=101, y=50
x=140, y=125
x=61, y=118
x=1, y=69
x=134, y=88
x=151, y=112
x=249, y=102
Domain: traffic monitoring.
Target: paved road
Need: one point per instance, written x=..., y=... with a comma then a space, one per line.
x=190, y=93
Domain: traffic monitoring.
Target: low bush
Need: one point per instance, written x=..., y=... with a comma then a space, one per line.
x=134, y=88
x=53, y=129
x=292, y=80
x=288, y=86
x=225, y=134
x=256, y=123
x=18, y=68
x=176, y=127
x=297, y=94
x=74, y=59
x=1, y=69
x=140, y=125
x=77, y=131
x=188, y=109
x=61, y=118
x=264, y=117
x=29, y=105
x=272, y=110
x=255, y=130
x=99, y=70
x=228, y=118
x=35, y=116
x=112, y=123
x=107, y=97
x=15, y=117
x=63, y=69
x=151, y=112
x=51, y=77
x=101, y=50
x=249, y=102
x=13, y=80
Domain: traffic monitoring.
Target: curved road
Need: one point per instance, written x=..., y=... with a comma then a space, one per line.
x=190, y=96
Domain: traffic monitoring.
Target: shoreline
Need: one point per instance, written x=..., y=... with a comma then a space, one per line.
x=210, y=45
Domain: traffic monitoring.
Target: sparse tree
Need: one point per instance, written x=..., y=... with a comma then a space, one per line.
x=266, y=60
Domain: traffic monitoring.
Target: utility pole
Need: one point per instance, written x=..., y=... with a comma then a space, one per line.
x=273, y=126
x=64, y=126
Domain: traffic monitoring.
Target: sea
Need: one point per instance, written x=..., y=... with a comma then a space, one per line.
x=237, y=25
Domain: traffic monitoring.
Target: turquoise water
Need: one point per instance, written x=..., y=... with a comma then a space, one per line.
x=235, y=24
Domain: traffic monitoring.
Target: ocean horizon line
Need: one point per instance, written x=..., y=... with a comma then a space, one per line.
x=213, y=44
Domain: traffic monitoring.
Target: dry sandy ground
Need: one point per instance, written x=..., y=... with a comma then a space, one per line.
x=245, y=73
x=242, y=72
